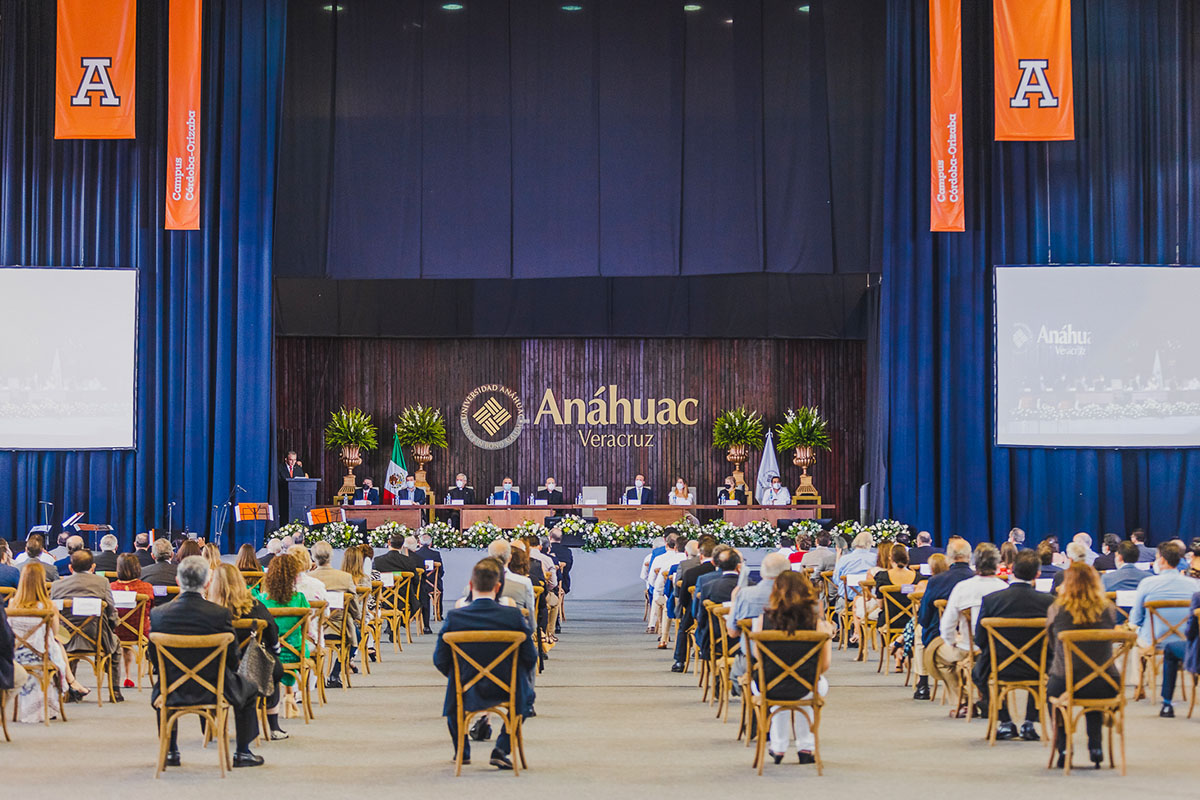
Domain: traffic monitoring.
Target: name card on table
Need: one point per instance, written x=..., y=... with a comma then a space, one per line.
x=1043, y=584
x=336, y=600
x=404, y=502
x=926, y=569
x=855, y=580
x=796, y=567
x=160, y=591
x=123, y=599
x=730, y=503
x=86, y=607
x=387, y=578
x=1126, y=597
x=633, y=501
x=499, y=501
x=362, y=502
x=541, y=502
x=458, y=502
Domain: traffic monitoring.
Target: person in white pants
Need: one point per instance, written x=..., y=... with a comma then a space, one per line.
x=659, y=572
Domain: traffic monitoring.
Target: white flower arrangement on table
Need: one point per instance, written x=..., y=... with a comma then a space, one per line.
x=339, y=534
x=721, y=530
x=848, y=528
x=574, y=525
x=296, y=529
x=529, y=528
x=642, y=533
x=688, y=529
x=805, y=526
x=481, y=534
x=604, y=535
x=886, y=530
x=756, y=533
x=443, y=534
x=379, y=537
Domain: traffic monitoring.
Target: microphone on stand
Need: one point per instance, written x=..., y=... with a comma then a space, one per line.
x=47, y=507
x=170, y=508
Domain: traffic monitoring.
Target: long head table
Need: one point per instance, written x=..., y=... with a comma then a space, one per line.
x=512, y=516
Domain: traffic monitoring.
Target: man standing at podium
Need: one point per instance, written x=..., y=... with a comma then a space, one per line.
x=290, y=468
x=640, y=492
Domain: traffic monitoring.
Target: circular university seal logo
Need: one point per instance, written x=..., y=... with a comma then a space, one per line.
x=492, y=416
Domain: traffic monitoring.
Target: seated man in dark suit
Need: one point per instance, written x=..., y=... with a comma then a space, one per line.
x=718, y=590
x=688, y=581
x=1125, y=576
x=462, y=491
x=141, y=549
x=1020, y=600
x=191, y=615
x=431, y=560
x=1138, y=537
x=397, y=560
x=106, y=559
x=640, y=492
x=410, y=492
x=1047, y=550
x=483, y=613
x=367, y=492
x=552, y=494
x=162, y=571
x=938, y=587
x=1107, y=560
x=923, y=550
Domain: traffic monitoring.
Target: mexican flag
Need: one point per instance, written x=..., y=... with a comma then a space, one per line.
x=396, y=473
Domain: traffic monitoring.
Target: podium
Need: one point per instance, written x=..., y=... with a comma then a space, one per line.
x=301, y=498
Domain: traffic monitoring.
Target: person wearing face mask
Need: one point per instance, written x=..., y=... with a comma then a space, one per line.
x=507, y=495
x=777, y=495
x=367, y=492
x=640, y=491
x=552, y=494
x=411, y=491
x=681, y=495
x=728, y=493
x=461, y=491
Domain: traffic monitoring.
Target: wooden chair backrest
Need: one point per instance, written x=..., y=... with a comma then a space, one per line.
x=1122, y=642
x=167, y=646
x=718, y=634
x=508, y=682
x=319, y=615
x=132, y=619
x=1032, y=653
x=766, y=644
x=299, y=620
x=253, y=578
x=111, y=576
x=343, y=624
x=895, y=609
x=1122, y=613
x=7, y=593
x=73, y=626
x=1159, y=622
x=394, y=598
x=256, y=628
x=940, y=605
x=40, y=630
x=363, y=593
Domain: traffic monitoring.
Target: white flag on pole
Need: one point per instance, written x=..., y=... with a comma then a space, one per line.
x=768, y=467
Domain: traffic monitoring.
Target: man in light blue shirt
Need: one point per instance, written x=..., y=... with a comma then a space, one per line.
x=1168, y=584
x=860, y=559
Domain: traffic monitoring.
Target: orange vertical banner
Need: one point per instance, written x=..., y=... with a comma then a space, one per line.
x=184, y=38
x=1034, y=91
x=946, y=205
x=95, y=72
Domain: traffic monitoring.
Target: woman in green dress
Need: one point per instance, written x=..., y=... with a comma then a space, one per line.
x=278, y=590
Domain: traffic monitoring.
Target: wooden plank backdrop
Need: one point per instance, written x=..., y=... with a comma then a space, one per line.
x=382, y=376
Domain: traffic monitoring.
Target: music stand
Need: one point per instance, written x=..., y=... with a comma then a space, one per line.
x=252, y=512
x=324, y=516
x=95, y=530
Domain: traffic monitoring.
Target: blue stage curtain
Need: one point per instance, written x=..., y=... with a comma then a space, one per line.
x=204, y=399
x=1124, y=191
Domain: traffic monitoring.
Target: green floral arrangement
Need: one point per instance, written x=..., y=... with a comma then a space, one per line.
x=444, y=535
x=848, y=528
x=738, y=426
x=756, y=533
x=574, y=525
x=529, y=528
x=643, y=533
x=350, y=428
x=805, y=526
x=603, y=536
x=379, y=537
x=421, y=425
x=721, y=530
x=481, y=534
x=339, y=534
x=296, y=529
x=803, y=427
x=886, y=530
x=688, y=529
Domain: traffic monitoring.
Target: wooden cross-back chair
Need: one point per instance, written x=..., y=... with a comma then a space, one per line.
x=1161, y=629
x=966, y=666
x=745, y=627
x=829, y=592
x=435, y=594
x=253, y=578
x=940, y=605
x=363, y=621
x=895, y=612
x=91, y=630
x=373, y=620
x=340, y=637
x=395, y=607
x=415, y=611
x=722, y=661
x=300, y=664
x=255, y=628
x=7, y=593
x=169, y=648
x=690, y=647
x=110, y=575
x=496, y=672
x=315, y=632
x=1122, y=613
x=914, y=601
x=132, y=621
x=38, y=639
x=1072, y=708
x=769, y=646
x=1024, y=643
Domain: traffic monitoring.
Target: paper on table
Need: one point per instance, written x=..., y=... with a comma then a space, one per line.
x=1043, y=584
x=1145, y=566
x=907, y=588
x=429, y=565
x=362, y=502
x=499, y=501
x=122, y=599
x=1126, y=597
x=387, y=578
x=633, y=501
x=85, y=607
x=336, y=600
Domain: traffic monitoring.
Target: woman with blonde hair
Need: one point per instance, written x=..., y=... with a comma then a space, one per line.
x=938, y=563
x=899, y=574
x=213, y=554
x=1081, y=604
x=352, y=564
x=228, y=589
x=310, y=587
x=32, y=594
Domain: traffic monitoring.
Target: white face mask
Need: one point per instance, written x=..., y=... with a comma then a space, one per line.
x=679, y=486
x=410, y=484
x=508, y=487
x=460, y=484
x=549, y=487
x=775, y=486
x=639, y=484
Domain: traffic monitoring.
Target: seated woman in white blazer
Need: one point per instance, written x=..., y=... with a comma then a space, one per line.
x=681, y=495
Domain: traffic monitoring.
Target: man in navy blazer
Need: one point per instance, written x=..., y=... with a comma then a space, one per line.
x=367, y=492
x=924, y=548
x=938, y=588
x=640, y=491
x=483, y=613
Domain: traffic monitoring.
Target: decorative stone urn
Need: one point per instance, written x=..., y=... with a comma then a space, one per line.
x=422, y=455
x=351, y=458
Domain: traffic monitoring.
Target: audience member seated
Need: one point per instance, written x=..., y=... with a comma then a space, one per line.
x=129, y=579
x=1080, y=605
x=162, y=571
x=270, y=551
x=748, y=602
x=33, y=594
x=306, y=584
x=10, y=576
x=794, y=605
x=718, y=589
x=517, y=588
x=924, y=548
x=106, y=559
x=1008, y=555
x=11, y=673
x=278, y=590
x=938, y=587
x=353, y=560
x=61, y=550
x=822, y=557
x=188, y=548
x=1125, y=576
x=1047, y=551
x=431, y=559
x=228, y=589
x=1145, y=554
x=1076, y=554
x=141, y=549
x=484, y=613
x=688, y=580
x=1085, y=540
x=1107, y=559
x=191, y=615
x=1018, y=601
x=1168, y=584
x=1017, y=537
x=860, y=560
x=899, y=574
x=336, y=580
x=246, y=560
x=659, y=571
x=396, y=560
x=35, y=546
x=83, y=582
x=63, y=565
x=533, y=546
x=967, y=595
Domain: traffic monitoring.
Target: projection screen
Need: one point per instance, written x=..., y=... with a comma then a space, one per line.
x=68, y=363
x=1097, y=356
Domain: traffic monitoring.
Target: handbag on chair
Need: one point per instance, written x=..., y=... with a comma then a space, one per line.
x=257, y=669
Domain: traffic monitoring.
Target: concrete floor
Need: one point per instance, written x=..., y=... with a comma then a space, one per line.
x=612, y=722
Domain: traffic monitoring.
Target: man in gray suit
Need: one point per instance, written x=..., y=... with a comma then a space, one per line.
x=83, y=582
x=822, y=556
x=162, y=571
